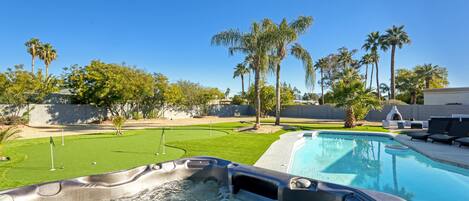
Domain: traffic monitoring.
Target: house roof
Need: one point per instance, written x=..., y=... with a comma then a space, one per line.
x=444, y=90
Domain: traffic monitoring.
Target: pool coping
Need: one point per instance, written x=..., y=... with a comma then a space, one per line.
x=279, y=155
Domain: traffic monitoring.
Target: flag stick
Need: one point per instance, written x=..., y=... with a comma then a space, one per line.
x=63, y=140
x=164, y=147
x=51, y=144
x=210, y=130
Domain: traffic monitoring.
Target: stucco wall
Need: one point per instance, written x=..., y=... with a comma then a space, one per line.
x=50, y=114
x=230, y=110
x=46, y=114
x=443, y=98
x=417, y=112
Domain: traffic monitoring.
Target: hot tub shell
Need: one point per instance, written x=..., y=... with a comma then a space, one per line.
x=252, y=181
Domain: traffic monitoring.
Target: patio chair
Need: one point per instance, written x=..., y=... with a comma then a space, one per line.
x=435, y=126
x=459, y=128
x=464, y=141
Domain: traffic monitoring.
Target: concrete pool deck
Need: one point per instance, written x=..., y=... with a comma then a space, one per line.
x=278, y=155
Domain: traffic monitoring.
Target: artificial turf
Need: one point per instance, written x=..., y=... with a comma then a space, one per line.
x=100, y=153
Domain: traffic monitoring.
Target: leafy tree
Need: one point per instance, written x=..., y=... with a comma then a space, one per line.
x=434, y=76
x=240, y=71
x=33, y=47
x=118, y=88
x=350, y=93
x=288, y=94
x=310, y=96
x=409, y=84
x=286, y=34
x=256, y=45
x=165, y=96
x=238, y=100
x=372, y=43
x=196, y=97
x=268, y=97
x=394, y=37
x=331, y=70
x=47, y=54
x=20, y=88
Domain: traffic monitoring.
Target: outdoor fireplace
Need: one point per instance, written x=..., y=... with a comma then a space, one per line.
x=394, y=115
x=392, y=118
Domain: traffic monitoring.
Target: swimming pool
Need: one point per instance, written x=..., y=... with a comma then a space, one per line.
x=371, y=162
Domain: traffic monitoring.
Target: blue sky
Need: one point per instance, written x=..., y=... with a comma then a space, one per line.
x=173, y=37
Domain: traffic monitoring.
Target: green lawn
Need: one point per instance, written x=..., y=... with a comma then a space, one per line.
x=31, y=161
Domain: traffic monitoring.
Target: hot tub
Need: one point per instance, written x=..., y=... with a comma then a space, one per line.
x=224, y=179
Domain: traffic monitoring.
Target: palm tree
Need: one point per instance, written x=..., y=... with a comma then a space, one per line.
x=432, y=74
x=367, y=60
x=47, y=53
x=384, y=89
x=33, y=46
x=286, y=34
x=240, y=71
x=350, y=93
x=322, y=64
x=394, y=37
x=345, y=57
x=372, y=43
x=256, y=45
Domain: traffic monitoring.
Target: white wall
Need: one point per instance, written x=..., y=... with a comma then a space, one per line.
x=443, y=98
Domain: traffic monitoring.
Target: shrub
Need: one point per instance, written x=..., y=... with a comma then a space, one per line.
x=394, y=102
x=238, y=100
x=7, y=134
x=137, y=115
x=118, y=122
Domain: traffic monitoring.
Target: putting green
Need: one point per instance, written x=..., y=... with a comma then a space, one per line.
x=91, y=154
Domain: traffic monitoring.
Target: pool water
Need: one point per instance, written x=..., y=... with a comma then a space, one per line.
x=366, y=162
x=185, y=190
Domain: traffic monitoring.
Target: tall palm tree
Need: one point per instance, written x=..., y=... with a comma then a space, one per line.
x=240, y=71
x=366, y=60
x=372, y=44
x=321, y=65
x=47, y=53
x=286, y=34
x=345, y=57
x=33, y=45
x=394, y=37
x=256, y=45
x=432, y=74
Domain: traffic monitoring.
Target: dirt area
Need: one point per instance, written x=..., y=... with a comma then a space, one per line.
x=56, y=130
x=265, y=128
